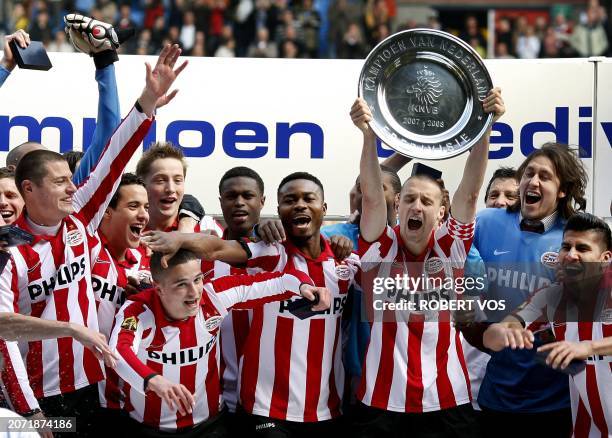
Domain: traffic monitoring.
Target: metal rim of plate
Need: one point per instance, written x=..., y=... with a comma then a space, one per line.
x=425, y=88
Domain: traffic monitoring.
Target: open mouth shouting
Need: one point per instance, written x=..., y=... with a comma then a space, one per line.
x=136, y=230
x=191, y=304
x=573, y=270
x=415, y=223
x=532, y=197
x=301, y=221
x=7, y=215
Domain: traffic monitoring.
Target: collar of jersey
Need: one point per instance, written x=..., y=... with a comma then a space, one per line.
x=22, y=223
x=326, y=252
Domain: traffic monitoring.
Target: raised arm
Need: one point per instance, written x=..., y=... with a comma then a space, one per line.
x=396, y=161
x=463, y=205
x=8, y=63
x=94, y=194
x=374, y=208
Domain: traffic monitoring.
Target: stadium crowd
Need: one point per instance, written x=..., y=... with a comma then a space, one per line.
x=124, y=306
x=302, y=28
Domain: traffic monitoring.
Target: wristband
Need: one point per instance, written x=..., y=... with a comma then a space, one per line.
x=30, y=413
x=146, y=380
x=246, y=248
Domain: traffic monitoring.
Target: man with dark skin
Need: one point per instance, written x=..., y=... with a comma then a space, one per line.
x=301, y=208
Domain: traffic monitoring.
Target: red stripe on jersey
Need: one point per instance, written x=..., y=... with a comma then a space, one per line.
x=213, y=387
x=333, y=403
x=463, y=362
x=188, y=338
x=414, y=386
x=240, y=322
x=64, y=345
x=314, y=359
x=443, y=384
x=267, y=263
x=111, y=389
x=282, y=367
x=585, y=333
x=382, y=387
x=10, y=382
x=582, y=423
x=248, y=378
x=34, y=360
x=152, y=409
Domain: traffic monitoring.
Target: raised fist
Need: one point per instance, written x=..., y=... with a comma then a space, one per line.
x=89, y=35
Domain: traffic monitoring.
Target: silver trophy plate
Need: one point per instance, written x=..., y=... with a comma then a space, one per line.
x=425, y=89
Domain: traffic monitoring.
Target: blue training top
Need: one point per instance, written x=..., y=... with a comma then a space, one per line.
x=518, y=263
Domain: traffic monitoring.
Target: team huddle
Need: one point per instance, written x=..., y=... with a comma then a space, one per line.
x=134, y=312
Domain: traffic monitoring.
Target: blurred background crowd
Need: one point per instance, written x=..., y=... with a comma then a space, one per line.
x=324, y=28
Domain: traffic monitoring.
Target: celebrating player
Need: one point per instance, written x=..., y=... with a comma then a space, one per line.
x=584, y=260
x=52, y=278
x=413, y=366
x=291, y=376
x=166, y=339
x=552, y=182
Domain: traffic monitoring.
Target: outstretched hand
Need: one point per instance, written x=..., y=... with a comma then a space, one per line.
x=160, y=79
x=494, y=103
x=166, y=243
x=361, y=116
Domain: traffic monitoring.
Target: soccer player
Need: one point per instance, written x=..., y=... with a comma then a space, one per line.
x=552, y=183
x=51, y=279
x=502, y=190
x=291, y=375
x=579, y=308
x=163, y=169
x=414, y=377
x=166, y=340
x=11, y=202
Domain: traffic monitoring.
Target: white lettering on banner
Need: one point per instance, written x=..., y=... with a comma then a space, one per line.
x=293, y=116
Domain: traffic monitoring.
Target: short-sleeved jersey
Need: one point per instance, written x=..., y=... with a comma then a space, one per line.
x=185, y=351
x=518, y=263
x=291, y=367
x=414, y=361
x=591, y=388
x=51, y=279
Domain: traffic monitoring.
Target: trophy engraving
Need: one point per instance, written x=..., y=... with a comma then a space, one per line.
x=425, y=89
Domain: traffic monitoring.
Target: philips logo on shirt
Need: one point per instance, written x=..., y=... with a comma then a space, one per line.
x=186, y=356
x=65, y=274
x=516, y=279
x=107, y=291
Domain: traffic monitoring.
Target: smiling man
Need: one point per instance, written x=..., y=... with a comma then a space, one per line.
x=517, y=393
x=580, y=308
x=291, y=375
x=166, y=339
x=51, y=278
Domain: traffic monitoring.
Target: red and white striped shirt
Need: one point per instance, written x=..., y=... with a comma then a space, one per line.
x=590, y=389
x=51, y=279
x=109, y=279
x=232, y=334
x=414, y=361
x=185, y=352
x=291, y=368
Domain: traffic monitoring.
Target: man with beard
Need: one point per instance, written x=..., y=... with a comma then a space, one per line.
x=517, y=392
x=291, y=375
x=579, y=307
x=414, y=378
x=51, y=278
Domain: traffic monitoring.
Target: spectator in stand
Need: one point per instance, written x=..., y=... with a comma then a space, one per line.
x=353, y=45
x=144, y=43
x=290, y=35
x=472, y=31
x=551, y=46
x=262, y=47
x=376, y=13
x=504, y=35
x=39, y=29
x=590, y=39
x=125, y=21
x=501, y=51
x=341, y=14
x=227, y=48
x=309, y=21
x=199, y=48
x=188, y=32
x=289, y=50
x=528, y=44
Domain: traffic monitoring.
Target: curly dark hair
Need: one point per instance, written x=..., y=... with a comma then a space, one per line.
x=571, y=173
